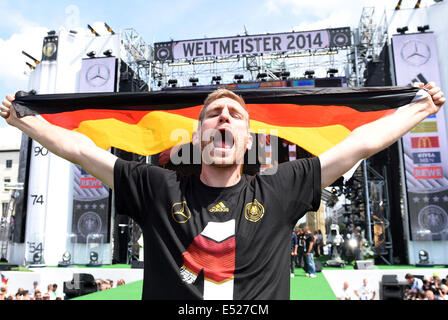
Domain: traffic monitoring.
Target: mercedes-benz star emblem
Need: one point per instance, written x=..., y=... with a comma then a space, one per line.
x=97, y=75
x=415, y=52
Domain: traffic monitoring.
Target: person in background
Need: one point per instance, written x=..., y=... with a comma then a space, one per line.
x=415, y=284
x=294, y=246
x=35, y=287
x=346, y=293
x=120, y=282
x=300, y=258
x=365, y=292
x=309, y=258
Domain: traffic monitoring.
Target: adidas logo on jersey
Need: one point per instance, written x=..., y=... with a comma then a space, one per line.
x=220, y=207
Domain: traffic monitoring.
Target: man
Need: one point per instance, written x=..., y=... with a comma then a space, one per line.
x=346, y=293
x=365, y=292
x=300, y=261
x=416, y=285
x=309, y=256
x=221, y=235
x=294, y=246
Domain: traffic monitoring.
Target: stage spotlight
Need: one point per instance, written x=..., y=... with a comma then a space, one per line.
x=398, y=6
x=217, y=79
x=422, y=29
x=194, y=81
x=262, y=76
x=423, y=257
x=109, y=29
x=37, y=258
x=238, y=77
x=331, y=72
x=285, y=75
x=402, y=30
x=30, y=66
x=108, y=53
x=309, y=74
x=31, y=57
x=172, y=82
x=353, y=243
x=91, y=54
x=92, y=30
x=66, y=259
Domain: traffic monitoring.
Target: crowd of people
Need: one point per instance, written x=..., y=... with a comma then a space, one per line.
x=426, y=288
x=52, y=291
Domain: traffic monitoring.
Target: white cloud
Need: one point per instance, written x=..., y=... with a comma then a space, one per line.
x=12, y=61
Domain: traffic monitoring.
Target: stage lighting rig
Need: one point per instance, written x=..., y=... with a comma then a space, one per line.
x=309, y=74
x=262, y=76
x=30, y=66
x=31, y=57
x=423, y=257
x=332, y=71
x=285, y=75
x=402, y=30
x=194, y=81
x=108, y=53
x=93, y=30
x=91, y=54
x=216, y=79
x=172, y=82
x=422, y=29
x=109, y=29
x=238, y=77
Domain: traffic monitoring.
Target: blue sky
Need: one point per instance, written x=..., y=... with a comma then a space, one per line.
x=23, y=23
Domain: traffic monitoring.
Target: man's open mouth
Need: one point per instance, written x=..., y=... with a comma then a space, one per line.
x=223, y=138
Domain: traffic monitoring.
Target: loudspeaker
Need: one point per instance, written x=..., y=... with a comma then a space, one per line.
x=81, y=284
x=318, y=266
x=391, y=289
x=7, y=267
x=364, y=264
x=137, y=264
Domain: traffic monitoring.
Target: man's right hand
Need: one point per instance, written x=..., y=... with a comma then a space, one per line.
x=70, y=145
x=7, y=110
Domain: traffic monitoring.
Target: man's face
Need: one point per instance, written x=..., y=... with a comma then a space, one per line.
x=224, y=133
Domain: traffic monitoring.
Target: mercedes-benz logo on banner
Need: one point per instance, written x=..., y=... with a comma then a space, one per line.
x=433, y=218
x=415, y=52
x=163, y=51
x=340, y=37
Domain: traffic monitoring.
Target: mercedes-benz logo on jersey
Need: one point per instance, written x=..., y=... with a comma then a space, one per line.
x=89, y=222
x=180, y=212
x=415, y=52
x=433, y=218
x=254, y=211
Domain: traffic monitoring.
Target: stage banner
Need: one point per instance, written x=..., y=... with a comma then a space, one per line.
x=425, y=148
x=254, y=44
x=90, y=206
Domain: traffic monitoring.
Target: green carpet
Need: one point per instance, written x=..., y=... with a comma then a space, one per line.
x=305, y=288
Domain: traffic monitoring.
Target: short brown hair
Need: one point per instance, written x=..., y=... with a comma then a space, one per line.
x=218, y=94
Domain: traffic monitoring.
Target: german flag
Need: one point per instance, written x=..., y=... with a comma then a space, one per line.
x=148, y=123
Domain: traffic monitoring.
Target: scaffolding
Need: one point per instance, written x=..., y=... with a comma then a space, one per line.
x=137, y=54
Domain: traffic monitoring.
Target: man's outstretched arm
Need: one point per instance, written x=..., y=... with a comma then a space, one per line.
x=70, y=145
x=373, y=137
